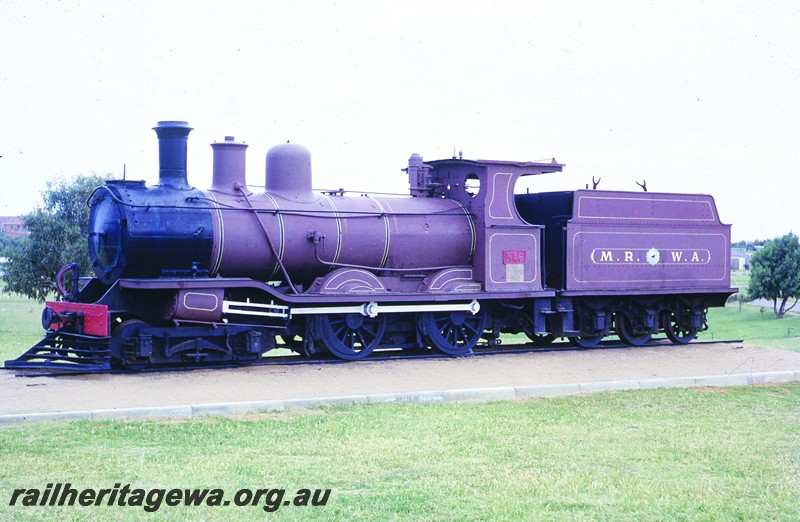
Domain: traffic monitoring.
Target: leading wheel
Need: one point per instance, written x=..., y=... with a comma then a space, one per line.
x=125, y=347
x=454, y=333
x=675, y=332
x=626, y=331
x=351, y=336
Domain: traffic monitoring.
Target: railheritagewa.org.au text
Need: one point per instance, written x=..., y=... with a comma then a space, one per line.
x=125, y=496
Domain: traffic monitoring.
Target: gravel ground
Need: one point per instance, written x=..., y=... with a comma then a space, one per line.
x=89, y=392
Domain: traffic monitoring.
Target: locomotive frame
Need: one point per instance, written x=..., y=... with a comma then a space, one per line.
x=185, y=276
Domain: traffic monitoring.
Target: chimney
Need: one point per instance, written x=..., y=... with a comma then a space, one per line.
x=173, y=137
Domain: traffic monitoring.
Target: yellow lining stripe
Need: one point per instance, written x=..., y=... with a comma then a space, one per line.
x=282, y=235
x=471, y=226
x=388, y=232
x=219, y=242
x=339, y=239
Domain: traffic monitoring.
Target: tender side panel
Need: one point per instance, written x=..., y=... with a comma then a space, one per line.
x=638, y=257
x=634, y=241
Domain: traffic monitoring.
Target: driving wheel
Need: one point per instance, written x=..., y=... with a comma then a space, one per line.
x=351, y=336
x=454, y=333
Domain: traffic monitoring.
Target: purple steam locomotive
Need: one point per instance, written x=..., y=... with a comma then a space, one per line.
x=187, y=276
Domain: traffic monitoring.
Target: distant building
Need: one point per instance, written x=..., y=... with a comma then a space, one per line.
x=12, y=226
x=740, y=258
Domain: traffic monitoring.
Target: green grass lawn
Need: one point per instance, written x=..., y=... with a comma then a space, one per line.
x=20, y=325
x=676, y=454
x=740, y=279
x=754, y=326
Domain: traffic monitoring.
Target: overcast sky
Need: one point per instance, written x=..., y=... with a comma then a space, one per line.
x=689, y=96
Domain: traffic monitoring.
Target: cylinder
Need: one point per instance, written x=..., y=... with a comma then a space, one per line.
x=229, y=165
x=173, y=137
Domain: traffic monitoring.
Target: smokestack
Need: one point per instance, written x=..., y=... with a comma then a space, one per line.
x=173, y=137
x=229, y=166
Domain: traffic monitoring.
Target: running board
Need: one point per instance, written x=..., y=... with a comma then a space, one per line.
x=371, y=309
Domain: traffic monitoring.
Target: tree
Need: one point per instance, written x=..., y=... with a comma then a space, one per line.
x=741, y=298
x=58, y=231
x=776, y=273
x=749, y=245
x=7, y=244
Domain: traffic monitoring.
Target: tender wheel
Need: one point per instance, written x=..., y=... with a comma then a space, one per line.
x=587, y=341
x=626, y=332
x=454, y=333
x=124, y=347
x=351, y=336
x=675, y=332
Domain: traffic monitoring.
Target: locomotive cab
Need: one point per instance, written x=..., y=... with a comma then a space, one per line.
x=508, y=248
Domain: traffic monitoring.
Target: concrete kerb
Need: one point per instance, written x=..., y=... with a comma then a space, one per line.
x=142, y=413
x=465, y=395
x=546, y=390
x=232, y=408
x=312, y=402
x=764, y=378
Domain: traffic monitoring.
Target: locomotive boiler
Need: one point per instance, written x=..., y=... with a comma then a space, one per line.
x=187, y=276
x=287, y=231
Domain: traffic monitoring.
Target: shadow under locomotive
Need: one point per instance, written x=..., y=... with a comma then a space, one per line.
x=187, y=276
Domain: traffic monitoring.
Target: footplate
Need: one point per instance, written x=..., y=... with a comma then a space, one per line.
x=66, y=350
